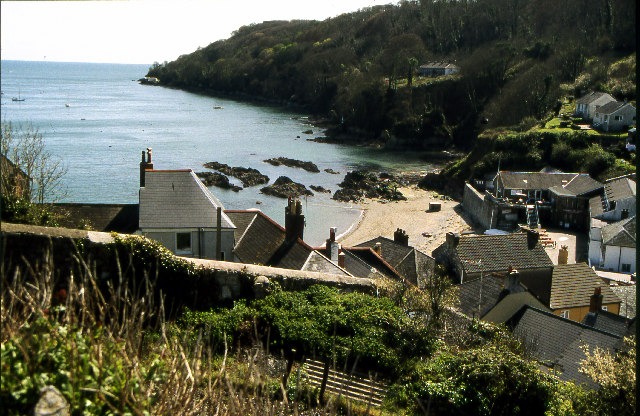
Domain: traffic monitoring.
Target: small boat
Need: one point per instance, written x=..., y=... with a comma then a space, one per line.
x=217, y=107
x=18, y=97
x=67, y=105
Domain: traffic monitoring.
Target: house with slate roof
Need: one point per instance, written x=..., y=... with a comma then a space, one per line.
x=436, y=69
x=557, y=343
x=604, y=320
x=120, y=218
x=496, y=297
x=178, y=210
x=627, y=296
x=408, y=262
x=551, y=198
x=572, y=287
x=617, y=201
x=587, y=104
x=475, y=256
x=614, y=116
x=612, y=247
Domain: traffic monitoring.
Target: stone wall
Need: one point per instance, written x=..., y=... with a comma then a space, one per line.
x=214, y=283
x=479, y=207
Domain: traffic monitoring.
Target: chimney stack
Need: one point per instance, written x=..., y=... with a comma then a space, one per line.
x=378, y=248
x=596, y=301
x=332, y=246
x=563, y=255
x=145, y=164
x=341, y=257
x=400, y=236
x=452, y=239
x=513, y=281
x=532, y=238
x=293, y=220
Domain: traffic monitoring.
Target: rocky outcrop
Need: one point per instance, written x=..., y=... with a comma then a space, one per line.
x=320, y=189
x=284, y=187
x=248, y=176
x=293, y=163
x=217, y=179
x=361, y=184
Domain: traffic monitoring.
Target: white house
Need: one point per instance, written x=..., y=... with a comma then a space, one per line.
x=177, y=210
x=435, y=69
x=586, y=105
x=614, y=116
x=618, y=201
x=612, y=247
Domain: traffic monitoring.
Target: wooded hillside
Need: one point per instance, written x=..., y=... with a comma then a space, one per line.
x=517, y=59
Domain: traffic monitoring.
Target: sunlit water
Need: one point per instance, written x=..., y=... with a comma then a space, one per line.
x=97, y=118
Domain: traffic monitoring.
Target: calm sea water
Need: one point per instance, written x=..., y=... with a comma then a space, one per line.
x=97, y=118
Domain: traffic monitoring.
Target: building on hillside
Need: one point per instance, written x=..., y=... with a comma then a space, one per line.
x=475, y=256
x=612, y=247
x=548, y=198
x=617, y=201
x=587, y=104
x=177, y=210
x=572, y=287
x=13, y=180
x=436, y=69
x=614, y=116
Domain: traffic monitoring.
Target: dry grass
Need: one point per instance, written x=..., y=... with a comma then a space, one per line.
x=114, y=353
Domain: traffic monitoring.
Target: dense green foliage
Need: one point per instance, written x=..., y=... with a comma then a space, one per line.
x=602, y=157
x=321, y=322
x=22, y=211
x=517, y=59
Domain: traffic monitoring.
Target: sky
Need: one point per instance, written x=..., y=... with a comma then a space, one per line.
x=141, y=31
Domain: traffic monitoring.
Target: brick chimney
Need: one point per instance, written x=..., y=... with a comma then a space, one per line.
x=145, y=164
x=532, y=238
x=293, y=220
x=341, y=258
x=563, y=255
x=400, y=236
x=332, y=247
x=595, y=305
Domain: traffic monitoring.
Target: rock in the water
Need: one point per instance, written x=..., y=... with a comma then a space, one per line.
x=360, y=184
x=217, y=179
x=248, y=176
x=284, y=187
x=331, y=171
x=51, y=403
x=293, y=163
x=320, y=189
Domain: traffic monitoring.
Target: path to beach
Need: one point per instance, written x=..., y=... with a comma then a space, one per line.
x=382, y=219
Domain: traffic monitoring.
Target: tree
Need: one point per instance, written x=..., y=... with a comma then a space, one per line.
x=616, y=375
x=25, y=147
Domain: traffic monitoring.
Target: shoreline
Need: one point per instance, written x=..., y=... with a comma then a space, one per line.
x=426, y=230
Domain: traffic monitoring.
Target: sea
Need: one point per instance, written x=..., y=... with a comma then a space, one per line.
x=97, y=119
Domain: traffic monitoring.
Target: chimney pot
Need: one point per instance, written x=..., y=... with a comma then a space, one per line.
x=595, y=304
x=378, y=248
x=341, y=257
x=532, y=238
x=400, y=236
x=563, y=255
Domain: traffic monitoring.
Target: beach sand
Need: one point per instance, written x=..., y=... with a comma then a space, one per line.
x=412, y=215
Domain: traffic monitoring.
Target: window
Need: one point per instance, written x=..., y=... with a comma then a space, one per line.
x=625, y=267
x=183, y=243
x=617, y=118
x=564, y=314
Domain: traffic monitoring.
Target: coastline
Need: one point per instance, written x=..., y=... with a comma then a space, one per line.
x=426, y=230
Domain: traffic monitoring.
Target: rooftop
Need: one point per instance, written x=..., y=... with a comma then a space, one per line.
x=573, y=284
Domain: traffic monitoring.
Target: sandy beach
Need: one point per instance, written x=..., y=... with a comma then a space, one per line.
x=426, y=229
